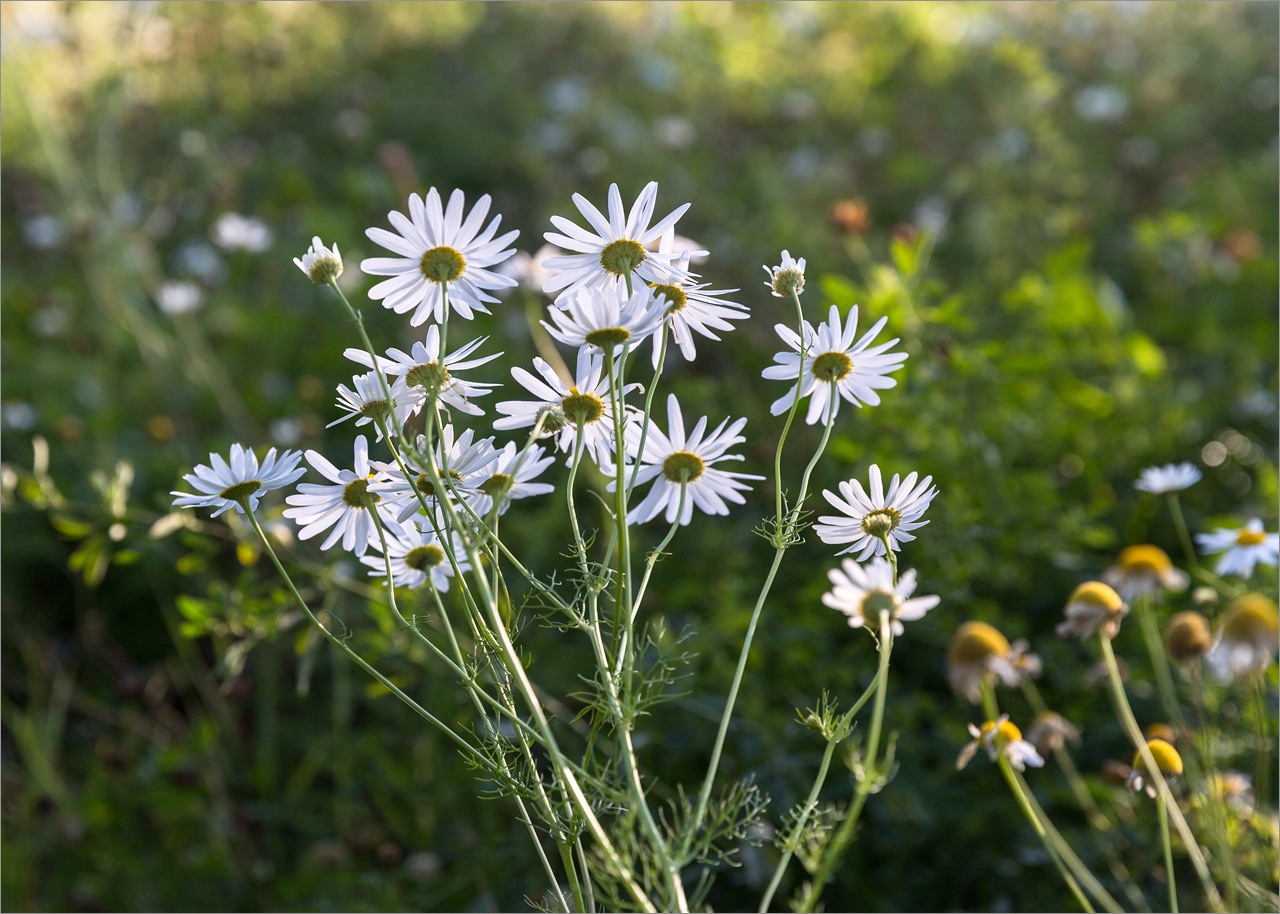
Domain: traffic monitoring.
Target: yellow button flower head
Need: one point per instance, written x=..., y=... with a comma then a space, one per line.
x=979, y=652
x=1247, y=638
x=1167, y=760
x=1141, y=570
x=1000, y=737
x=1093, y=606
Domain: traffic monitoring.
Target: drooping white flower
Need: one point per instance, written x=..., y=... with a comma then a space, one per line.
x=1242, y=549
x=467, y=462
x=979, y=653
x=321, y=264
x=863, y=592
x=786, y=277
x=834, y=366
x=614, y=250
x=692, y=307
x=1143, y=570
x=416, y=555
x=1247, y=639
x=438, y=250
x=1092, y=606
x=672, y=458
x=587, y=402
x=233, y=231
x=421, y=368
x=367, y=400
x=869, y=516
x=513, y=475
x=606, y=322
x=225, y=483
x=1000, y=737
x=344, y=505
x=1172, y=477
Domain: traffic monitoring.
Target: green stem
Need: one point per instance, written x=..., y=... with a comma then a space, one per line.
x=1163, y=811
x=795, y=405
x=566, y=857
x=1179, y=522
x=1024, y=803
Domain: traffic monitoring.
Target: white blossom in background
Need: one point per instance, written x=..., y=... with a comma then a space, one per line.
x=225, y=483
x=674, y=457
x=862, y=592
x=179, y=297
x=366, y=401
x=437, y=250
x=1143, y=570
x=605, y=321
x=787, y=277
x=832, y=366
x=234, y=232
x=867, y=516
x=515, y=476
x=1247, y=639
x=1172, y=477
x=1241, y=549
x=603, y=258
x=417, y=556
x=421, y=368
x=344, y=504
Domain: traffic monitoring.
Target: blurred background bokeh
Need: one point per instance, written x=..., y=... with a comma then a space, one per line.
x=1068, y=212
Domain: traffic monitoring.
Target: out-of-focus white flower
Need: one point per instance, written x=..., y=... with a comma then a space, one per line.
x=1172, y=477
x=416, y=557
x=1000, y=737
x=321, y=264
x=421, y=369
x=979, y=653
x=605, y=322
x=1092, y=606
x=233, y=231
x=863, y=592
x=1143, y=570
x=367, y=400
x=1050, y=731
x=345, y=505
x=180, y=297
x=831, y=366
x=1242, y=549
x=225, y=483
x=604, y=258
x=870, y=516
x=1247, y=639
x=787, y=277
x=438, y=250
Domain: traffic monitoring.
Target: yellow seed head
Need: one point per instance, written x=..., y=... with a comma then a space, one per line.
x=974, y=642
x=1097, y=594
x=1187, y=636
x=1146, y=560
x=1166, y=757
x=1253, y=618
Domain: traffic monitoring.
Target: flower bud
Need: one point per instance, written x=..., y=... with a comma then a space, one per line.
x=1187, y=636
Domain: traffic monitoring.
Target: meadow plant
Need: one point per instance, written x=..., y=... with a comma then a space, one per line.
x=423, y=511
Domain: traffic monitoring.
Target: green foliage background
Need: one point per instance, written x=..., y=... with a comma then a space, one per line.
x=1098, y=294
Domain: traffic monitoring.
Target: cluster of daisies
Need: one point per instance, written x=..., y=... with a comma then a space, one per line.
x=619, y=282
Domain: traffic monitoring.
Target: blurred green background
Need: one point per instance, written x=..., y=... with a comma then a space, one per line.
x=1068, y=212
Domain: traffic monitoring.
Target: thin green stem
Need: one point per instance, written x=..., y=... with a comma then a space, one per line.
x=586, y=875
x=1024, y=803
x=566, y=857
x=660, y=548
x=1180, y=523
x=795, y=405
x=1163, y=811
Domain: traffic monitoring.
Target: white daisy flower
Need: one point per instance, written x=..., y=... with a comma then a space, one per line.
x=343, y=505
x=439, y=250
x=606, y=322
x=321, y=264
x=868, y=517
x=1244, y=548
x=467, y=462
x=233, y=231
x=979, y=653
x=668, y=459
x=368, y=401
x=587, y=401
x=180, y=297
x=224, y=484
x=1000, y=737
x=1247, y=639
x=605, y=257
x=1172, y=477
x=421, y=368
x=1093, y=605
x=516, y=476
x=416, y=555
x=862, y=592
x=834, y=366
x=1142, y=570
x=692, y=307
x=786, y=277
x=1050, y=731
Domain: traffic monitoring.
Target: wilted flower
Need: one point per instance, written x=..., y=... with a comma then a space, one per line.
x=1167, y=760
x=1142, y=570
x=1187, y=636
x=1244, y=548
x=1000, y=737
x=1050, y=731
x=1247, y=638
x=1172, y=477
x=863, y=592
x=979, y=653
x=1093, y=606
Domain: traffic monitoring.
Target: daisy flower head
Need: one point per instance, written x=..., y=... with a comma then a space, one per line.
x=1050, y=731
x=869, y=519
x=693, y=308
x=1172, y=477
x=863, y=592
x=423, y=368
x=1168, y=762
x=417, y=556
x=321, y=264
x=1247, y=639
x=832, y=366
x=1000, y=737
x=463, y=459
x=586, y=404
x=979, y=653
x=346, y=504
x=442, y=260
x=1144, y=570
x=224, y=484
x=604, y=258
x=1092, y=606
x=1187, y=637
x=366, y=400
x=787, y=278
x=675, y=460
x=1241, y=549
x=511, y=478
x=606, y=322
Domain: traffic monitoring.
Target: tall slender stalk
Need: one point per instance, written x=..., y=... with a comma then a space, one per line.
x=1163, y=811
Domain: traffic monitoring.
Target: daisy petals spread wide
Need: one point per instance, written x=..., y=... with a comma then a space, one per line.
x=869, y=515
x=225, y=483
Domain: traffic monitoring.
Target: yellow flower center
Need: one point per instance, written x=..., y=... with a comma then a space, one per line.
x=1250, y=537
x=675, y=296
x=582, y=408
x=241, y=490
x=1251, y=617
x=1144, y=560
x=682, y=466
x=442, y=265
x=974, y=642
x=357, y=494
x=1002, y=734
x=421, y=558
x=1166, y=758
x=622, y=256
x=881, y=522
x=1097, y=594
x=425, y=486
x=430, y=375
x=832, y=366
x=608, y=337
